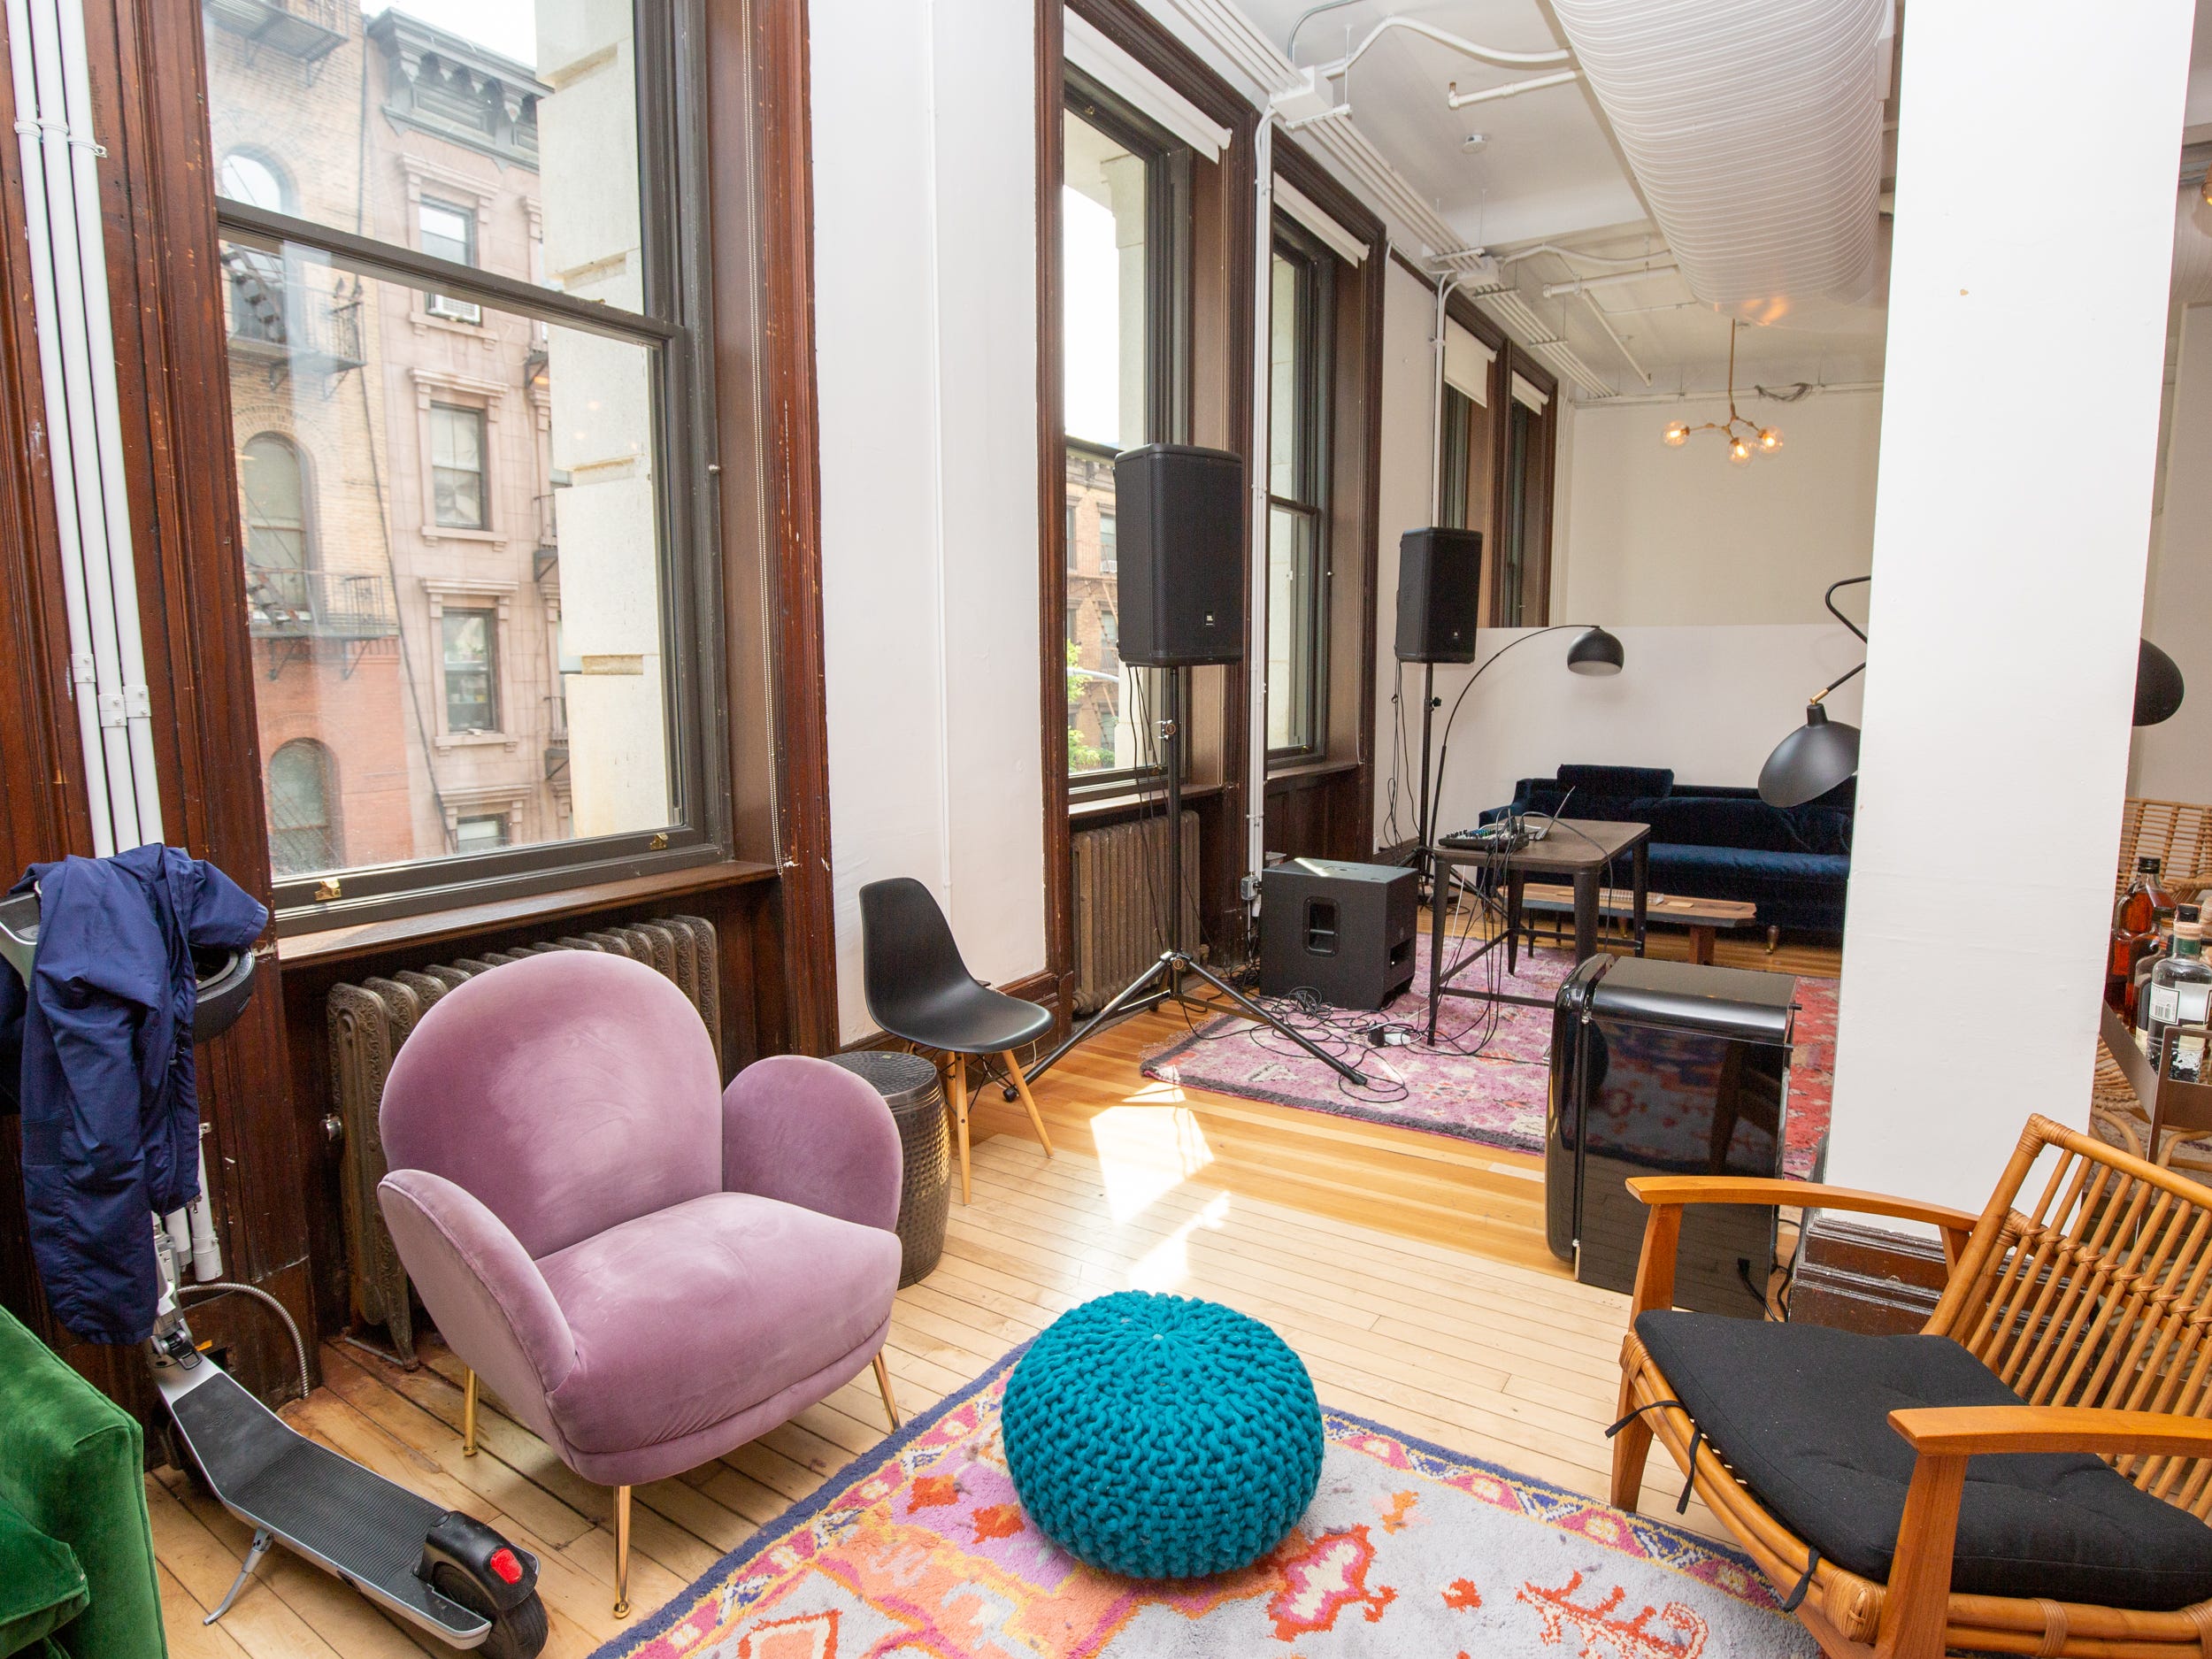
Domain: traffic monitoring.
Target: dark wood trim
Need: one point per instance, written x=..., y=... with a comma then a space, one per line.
x=1356, y=489
x=1220, y=394
x=1852, y=1277
x=375, y=939
x=1516, y=360
x=762, y=191
x=1052, y=510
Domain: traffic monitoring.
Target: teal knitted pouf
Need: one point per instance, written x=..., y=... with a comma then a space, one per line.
x=1159, y=1437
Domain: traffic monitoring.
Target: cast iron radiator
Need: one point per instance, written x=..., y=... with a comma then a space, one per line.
x=1120, y=899
x=369, y=1022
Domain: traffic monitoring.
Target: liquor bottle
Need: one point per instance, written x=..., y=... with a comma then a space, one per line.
x=2181, y=994
x=2134, y=926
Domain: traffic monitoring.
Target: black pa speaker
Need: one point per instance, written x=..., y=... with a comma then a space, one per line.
x=1347, y=931
x=1179, y=514
x=1439, y=586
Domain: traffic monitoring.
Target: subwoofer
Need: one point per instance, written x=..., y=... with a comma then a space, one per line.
x=1181, y=524
x=1345, y=931
x=1439, y=586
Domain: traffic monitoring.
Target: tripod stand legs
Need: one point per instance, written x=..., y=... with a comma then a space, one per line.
x=1168, y=971
x=1128, y=994
x=1255, y=1011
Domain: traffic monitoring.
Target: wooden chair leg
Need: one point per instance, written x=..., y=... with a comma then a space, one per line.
x=883, y=1382
x=622, y=1552
x=1029, y=1101
x=1631, y=1446
x=468, y=1417
x=959, y=1103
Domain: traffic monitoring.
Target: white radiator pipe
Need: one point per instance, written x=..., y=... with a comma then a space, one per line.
x=118, y=553
x=1444, y=287
x=33, y=139
x=207, y=1255
x=1256, y=619
x=77, y=449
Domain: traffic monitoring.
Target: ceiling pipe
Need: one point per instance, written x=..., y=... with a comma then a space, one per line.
x=1619, y=345
x=1445, y=37
x=1583, y=285
x=1454, y=98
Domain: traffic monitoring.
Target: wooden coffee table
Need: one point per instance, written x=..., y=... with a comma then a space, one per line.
x=1578, y=849
x=1704, y=918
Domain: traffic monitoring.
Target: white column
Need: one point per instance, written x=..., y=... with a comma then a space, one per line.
x=2010, y=527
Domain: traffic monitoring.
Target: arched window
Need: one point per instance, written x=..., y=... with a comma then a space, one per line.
x=245, y=177
x=302, y=810
x=273, y=487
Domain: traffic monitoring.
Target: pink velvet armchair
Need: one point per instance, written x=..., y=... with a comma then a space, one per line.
x=648, y=1270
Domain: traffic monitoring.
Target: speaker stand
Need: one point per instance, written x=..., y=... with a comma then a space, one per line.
x=1424, y=837
x=1162, y=981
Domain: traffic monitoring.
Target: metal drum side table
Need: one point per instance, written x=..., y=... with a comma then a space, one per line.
x=911, y=1088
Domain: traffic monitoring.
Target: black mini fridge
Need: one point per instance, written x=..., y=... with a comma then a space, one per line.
x=1667, y=1068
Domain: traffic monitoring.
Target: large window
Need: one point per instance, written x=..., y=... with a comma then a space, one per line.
x=466, y=379
x=1301, y=393
x=1523, y=563
x=1125, y=204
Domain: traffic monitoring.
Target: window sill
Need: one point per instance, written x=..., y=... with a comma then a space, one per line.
x=1310, y=771
x=1126, y=801
x=453, y=532
x=473, y=740
x=369, y=939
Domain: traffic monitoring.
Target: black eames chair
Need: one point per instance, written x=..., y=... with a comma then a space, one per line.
x=920, y=990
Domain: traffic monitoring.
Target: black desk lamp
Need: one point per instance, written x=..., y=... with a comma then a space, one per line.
x=1822, y=753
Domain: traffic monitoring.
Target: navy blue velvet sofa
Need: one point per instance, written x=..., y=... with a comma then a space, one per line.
x=1718, y=842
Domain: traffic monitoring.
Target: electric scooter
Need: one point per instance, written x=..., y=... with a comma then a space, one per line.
x=441, y=1571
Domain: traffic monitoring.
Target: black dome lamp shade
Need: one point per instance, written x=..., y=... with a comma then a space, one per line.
x=1595, y=652
x=1821, y=753
x=2157, y=685
x=1810, y=761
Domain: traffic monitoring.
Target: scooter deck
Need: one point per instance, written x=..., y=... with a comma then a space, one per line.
x=354, y=1523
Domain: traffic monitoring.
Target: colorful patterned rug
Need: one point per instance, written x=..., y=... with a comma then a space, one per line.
x=1486, y=1079
x=919, y=1549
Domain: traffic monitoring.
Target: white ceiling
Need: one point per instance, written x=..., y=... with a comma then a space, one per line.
x=1549, y=173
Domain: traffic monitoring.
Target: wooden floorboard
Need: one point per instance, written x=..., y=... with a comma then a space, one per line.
x=1408, y=1270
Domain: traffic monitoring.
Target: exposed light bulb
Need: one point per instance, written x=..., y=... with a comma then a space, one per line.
x=1678, y=433
x=1739, y=451
x=1770, y=439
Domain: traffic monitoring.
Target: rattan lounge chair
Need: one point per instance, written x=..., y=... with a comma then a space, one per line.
x=1856, y=1469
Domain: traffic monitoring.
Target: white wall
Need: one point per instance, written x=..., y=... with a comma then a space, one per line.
x=2008, y=558
x=2173, y=762
x=1682, y=537
x=1710, y=701
x=922, y=116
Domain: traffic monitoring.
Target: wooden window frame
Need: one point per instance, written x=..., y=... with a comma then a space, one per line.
x=1314, y=467
x=674, y=328
x=1167, y=232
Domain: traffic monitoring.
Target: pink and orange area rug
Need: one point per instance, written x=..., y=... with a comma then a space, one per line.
x=1488, y=1076
x=920, y=1550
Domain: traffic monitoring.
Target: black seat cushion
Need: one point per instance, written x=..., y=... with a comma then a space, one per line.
x=1801, y=1415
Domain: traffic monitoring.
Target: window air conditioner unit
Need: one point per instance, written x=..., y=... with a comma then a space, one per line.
x=454, y=311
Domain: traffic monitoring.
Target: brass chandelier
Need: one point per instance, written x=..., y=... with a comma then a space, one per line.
x=1744, y=438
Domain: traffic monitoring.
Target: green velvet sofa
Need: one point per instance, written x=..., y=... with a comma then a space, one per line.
x=76, y=1555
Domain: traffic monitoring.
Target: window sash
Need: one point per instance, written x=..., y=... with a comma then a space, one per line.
x=1300, y=495
x=677, y=285
x=1167, y=394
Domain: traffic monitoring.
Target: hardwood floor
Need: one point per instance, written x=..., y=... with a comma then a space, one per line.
x=1408, y=1271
